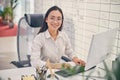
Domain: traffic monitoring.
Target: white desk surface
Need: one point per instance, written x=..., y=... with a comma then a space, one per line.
x=15, y=74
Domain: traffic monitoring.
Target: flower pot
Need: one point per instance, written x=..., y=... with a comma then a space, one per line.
x=11, y=24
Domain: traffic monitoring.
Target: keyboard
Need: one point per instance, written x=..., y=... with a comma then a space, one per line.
x=71, y=71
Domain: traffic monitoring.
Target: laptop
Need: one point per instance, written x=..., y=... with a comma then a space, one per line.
x=100, y=47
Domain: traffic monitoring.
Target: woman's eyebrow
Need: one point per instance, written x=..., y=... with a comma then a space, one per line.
x=59, y=17
x=55, y=16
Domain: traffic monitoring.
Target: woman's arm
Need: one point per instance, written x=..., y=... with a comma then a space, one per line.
x=70, y=53
x=36, y=52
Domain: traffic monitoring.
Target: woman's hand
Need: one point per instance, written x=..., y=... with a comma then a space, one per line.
x=78, y=61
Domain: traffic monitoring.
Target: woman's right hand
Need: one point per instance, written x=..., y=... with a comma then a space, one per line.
x=78, y=61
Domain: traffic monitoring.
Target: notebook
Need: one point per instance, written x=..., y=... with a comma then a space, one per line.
x=100, y=47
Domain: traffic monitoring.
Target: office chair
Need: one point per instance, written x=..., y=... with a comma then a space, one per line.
x=28, y=27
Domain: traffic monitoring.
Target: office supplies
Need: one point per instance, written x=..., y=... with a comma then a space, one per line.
x=41, y=73
x=52, y=73
x=50, y=68
x=100, y=47
x=27, y=77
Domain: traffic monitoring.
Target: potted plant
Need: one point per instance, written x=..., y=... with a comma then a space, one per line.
x=113, y=74
x=8, y=13
x=116, y=68
x=110, y=74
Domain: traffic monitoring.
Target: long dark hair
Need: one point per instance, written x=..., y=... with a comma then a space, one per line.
x=45, y=26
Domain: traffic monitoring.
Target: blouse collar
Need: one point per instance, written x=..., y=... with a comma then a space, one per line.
x=47, y=34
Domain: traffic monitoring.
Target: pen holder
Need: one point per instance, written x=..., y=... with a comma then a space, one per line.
x=40, y=74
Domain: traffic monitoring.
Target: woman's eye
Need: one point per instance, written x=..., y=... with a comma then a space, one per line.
x=52, y=18
x=59, y=19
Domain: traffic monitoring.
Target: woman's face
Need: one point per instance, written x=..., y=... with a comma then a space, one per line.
x=54, y=20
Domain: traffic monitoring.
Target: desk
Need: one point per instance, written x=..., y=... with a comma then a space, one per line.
x=15, y=74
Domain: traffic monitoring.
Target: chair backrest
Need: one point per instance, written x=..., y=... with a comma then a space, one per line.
x=28, y=27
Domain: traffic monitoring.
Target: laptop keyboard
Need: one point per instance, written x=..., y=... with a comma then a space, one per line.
x=72, y=71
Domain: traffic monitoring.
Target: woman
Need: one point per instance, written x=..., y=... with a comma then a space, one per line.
x=51, y=42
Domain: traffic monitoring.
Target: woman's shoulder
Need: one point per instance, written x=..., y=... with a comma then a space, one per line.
x=64, y=34
x=40, y=36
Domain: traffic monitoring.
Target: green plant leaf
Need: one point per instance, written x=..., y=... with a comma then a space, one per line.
x=74, y=69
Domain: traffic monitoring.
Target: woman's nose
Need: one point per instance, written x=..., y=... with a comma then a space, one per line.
x=55, y=21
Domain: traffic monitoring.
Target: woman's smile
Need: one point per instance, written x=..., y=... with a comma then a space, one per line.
x=54, y=20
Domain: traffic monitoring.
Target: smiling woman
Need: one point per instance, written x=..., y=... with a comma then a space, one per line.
x=54, y=22
x=51, y=42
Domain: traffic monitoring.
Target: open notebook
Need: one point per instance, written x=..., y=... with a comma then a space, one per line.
x=100, y=48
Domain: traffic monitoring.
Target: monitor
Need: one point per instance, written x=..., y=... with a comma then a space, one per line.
x=100, y=47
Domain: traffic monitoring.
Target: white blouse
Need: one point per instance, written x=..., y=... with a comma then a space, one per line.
x=44, y=47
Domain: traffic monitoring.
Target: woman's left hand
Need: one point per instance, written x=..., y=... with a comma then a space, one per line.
x=78, y=61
